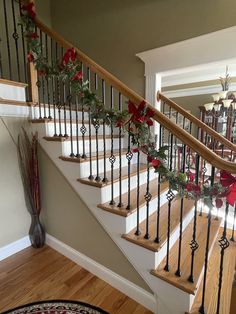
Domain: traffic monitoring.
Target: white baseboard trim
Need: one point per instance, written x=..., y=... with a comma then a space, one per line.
x=14, y=247
x=120, y=283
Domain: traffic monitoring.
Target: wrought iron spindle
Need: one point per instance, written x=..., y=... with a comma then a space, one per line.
x=42, y=77
x=47, y=80
x=157, y=239
x=64, y=107
x=120, y=204
x=8, y=41
x=91, y=177
x=77, y=127
x=232, y=236
x=112, y=158
x=15, y=36
x=24, y=55
x=224, y=244
x=53, y=92
x=193, y=244
x=71, y=127
x=129, y=156
x=202, y=309
x=178, y=271
x=59, y=105
x=170, y=196
x=148, y=197
x=138, y=232
x=104, y=180
x=96, y=126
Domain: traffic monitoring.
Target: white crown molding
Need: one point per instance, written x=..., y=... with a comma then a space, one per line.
x=204, y=90
x=14, y=247
x=191, y=53
x=122, y=284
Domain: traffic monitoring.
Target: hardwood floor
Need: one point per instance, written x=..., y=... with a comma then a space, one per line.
x=43, y=274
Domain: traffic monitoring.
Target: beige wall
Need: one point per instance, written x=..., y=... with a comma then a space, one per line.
x=68, y=219
x=43, y=9
x=14, y=218
x=112, y=32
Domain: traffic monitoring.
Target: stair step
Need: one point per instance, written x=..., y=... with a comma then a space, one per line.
x=201, y=235
x=15, y=102
x=122, y=211
x=150, y=243
x=116, y=177
x=13, y=83
x=213, y=278
x=94, y=156
x=74, y=138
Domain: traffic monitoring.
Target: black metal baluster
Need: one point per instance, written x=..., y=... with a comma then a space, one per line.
x=138, y=232
x=178, y=271
x=59, y=106
x=170, y=196
x=120, y=204
x=202, y=309
x=71, y=128
x=42, y=78
x=104, y=180
x=7, y=37
x=64, y=92
x=24, y=55
x=96, y=126
x=224, y=244
x=148, y=197
x=47, y=80
x=15, y=36
x=91, y=177
x=129, y=156
x=204, y=170
x=77, y=126
x=232, y=236
x=193, y=243
x=112, y=158
x=53, y=93
x=157, y=239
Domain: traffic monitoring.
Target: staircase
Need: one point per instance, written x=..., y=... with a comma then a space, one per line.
x=184, y=251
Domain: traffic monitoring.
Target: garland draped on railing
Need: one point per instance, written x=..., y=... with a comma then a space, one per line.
x=136, y=120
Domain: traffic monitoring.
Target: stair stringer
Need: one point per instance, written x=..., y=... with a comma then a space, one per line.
x=143, y=260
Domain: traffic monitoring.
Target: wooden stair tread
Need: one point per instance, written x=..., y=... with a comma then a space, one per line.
x=175, y=214
x=94, y=156
x=15, y=102
x=74, y=138
x=14, y=83
x=46, y=120
x=116, y=176
x=213, y=278
x=122, y=211
x=201, y=233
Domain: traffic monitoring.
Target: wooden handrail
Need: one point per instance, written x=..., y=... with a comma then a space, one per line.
x=197, y=122
x=184, y=136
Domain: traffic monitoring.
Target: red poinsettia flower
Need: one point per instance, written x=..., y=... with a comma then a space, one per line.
x=139, y=114
x=69, y=56
x=29, y=9
x=78, y=76
x=156, y=163
x=191, y=176
x=149, y=158
x=135, y=150
x=41, y=72
x=30, y=57
x=219, y=203
x=33, y=36
x=229, y=181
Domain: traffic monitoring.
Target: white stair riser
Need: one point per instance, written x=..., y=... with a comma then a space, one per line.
x=106, y=190
x=173, y=238
x=85, y=166
x=66, y=146
x=66, y=129
x=12, y=92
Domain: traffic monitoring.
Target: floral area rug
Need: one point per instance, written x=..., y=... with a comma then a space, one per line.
x=56, y=307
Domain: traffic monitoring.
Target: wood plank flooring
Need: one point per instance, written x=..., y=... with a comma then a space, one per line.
x=44, y=274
